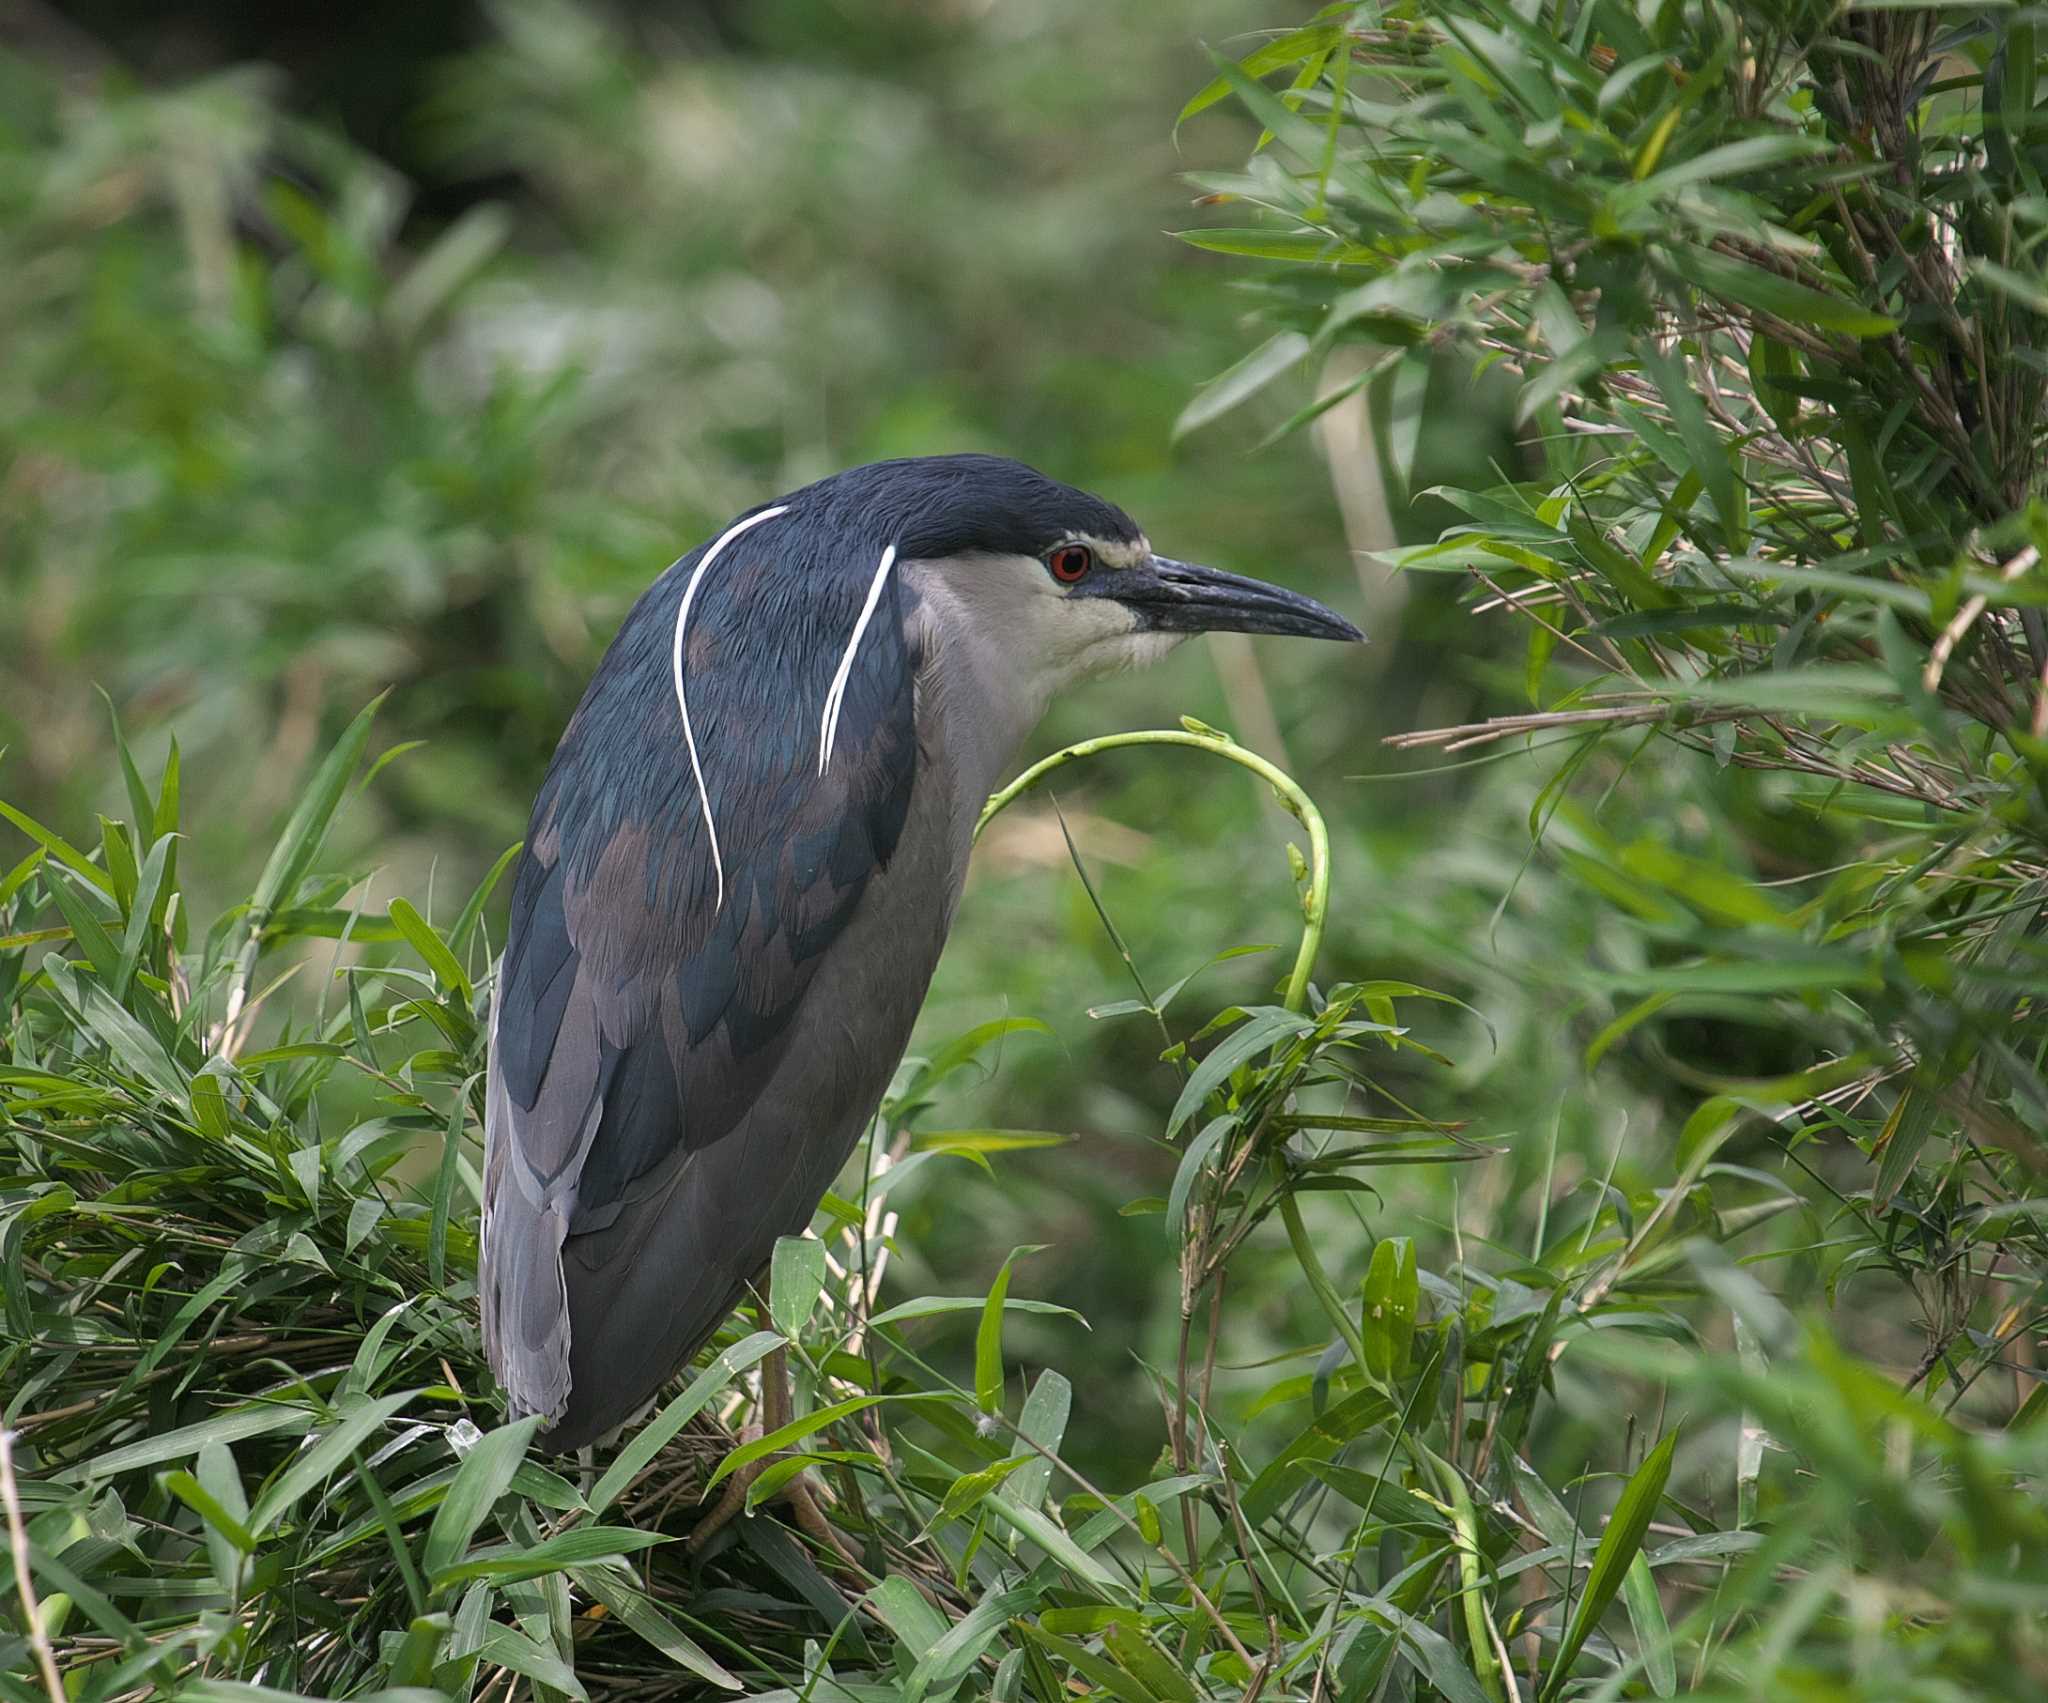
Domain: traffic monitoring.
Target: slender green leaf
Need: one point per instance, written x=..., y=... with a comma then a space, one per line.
x=578, y=1547
x=328, y=1453
x=420, y=936
x=1619, y=1546
x=654, y=1436
x=307, y=827
x=485, y=1475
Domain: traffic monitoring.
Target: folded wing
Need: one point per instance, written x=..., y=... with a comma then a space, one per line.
x=638, y=1018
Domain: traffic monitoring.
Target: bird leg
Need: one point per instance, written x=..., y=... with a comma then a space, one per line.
x=776, y=1412
x=775, y=1376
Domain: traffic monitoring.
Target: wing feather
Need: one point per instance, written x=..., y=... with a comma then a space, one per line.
x=637, y=1018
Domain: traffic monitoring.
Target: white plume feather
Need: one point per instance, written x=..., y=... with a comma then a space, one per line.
x=835, y=695
x=683, y=703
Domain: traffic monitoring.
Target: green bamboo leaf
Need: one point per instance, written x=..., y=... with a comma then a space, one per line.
x=141, y=808
x=1731, y=159
x=967, y=1491
x=654, y=1436
x=117, y=852
x=235, y=1426
x=969, y=1141
x=224, y=1525
x=485, y=1474
x=1750, y=286
x=444, y=1187
x=931, y=1306
x=473, y=910
x=1370, y=1493
x=646, y=1617
x=1198, y=1154
x=1103, y=1677
x=59, y=848
x=148, y=885
x=1429, y=1653
x=1036, y=1526
x=1289, y=49
x=949, y=1657
x=1305, y=140
x=1845, y=691
x=95, y=1604
x=1619, y=1545
x=580, y=1546
x=1262, y=242
x=307, y=827
x=1139, y=1657
x=1909, y=599
x=796, y=1278
x=216, y=1474
x=1708, y=454
x=1280, y=353
x=420, y=935
x=963, y=1048
x=1898, y=1146
x=18, y=877
x=327, y=1455
x=87, y=930
x=135, y=1048
x=988, y=1339
x=1392, y=1294
x=1653, y=1630
x=809, y=1424
x=1319, y=1440
x=328, y=922
x=385, y=758
x=1044, y=1421
x=1259, y=1031
x=506, y=1647
x=903, y=1609
x=165, y=820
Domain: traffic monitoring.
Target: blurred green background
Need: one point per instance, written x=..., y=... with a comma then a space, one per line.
x=405, y=355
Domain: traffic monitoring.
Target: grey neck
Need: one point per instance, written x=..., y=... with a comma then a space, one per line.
x=974, y=710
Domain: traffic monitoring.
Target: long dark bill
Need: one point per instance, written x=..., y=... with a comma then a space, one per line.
x=1182, y=597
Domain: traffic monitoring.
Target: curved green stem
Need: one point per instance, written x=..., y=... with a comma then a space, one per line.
x=1471, y=1565
x=1315, y=907
x=1311, y=1263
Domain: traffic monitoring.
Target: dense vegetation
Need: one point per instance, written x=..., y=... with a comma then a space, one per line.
x=1595, y=1248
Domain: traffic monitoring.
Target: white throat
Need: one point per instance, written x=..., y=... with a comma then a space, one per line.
x=999, y=640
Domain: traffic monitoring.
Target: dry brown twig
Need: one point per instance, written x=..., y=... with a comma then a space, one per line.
x=1966, y=617
x=1467, y=734
x=31, y=1610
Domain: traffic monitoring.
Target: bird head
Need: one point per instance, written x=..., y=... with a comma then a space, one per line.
x=1059, y=583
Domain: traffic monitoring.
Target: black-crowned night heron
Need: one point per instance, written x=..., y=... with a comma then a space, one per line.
x=740, y=873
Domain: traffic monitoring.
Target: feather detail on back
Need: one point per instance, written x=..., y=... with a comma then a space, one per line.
x=655, y=974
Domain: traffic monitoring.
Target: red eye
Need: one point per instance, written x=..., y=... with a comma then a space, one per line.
x=1070, y=563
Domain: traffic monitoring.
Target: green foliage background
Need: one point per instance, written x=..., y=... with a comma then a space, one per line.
x=1633, y=1246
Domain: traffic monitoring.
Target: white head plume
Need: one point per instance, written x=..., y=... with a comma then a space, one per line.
x=682, y=701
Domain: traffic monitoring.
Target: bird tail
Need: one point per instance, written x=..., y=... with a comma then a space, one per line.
x=522, y=1292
